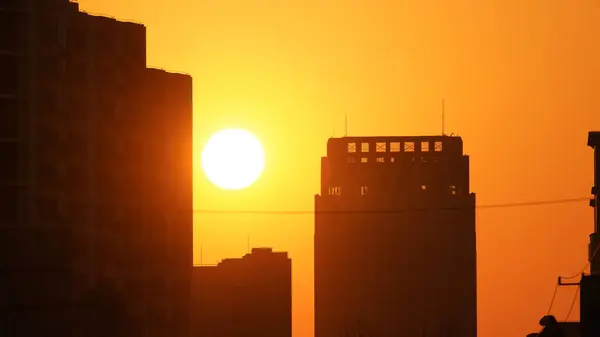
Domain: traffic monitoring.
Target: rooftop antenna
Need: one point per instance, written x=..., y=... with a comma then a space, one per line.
x=443, y=118
x=248, y=243
x=346, y=126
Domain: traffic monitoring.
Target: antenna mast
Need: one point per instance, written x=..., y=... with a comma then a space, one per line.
x=248, y=243
x=346, y=126
x=443, y=118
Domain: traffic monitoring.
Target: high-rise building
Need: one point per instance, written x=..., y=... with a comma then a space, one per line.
x=165, y=192
x=95, y=181
x=395, y=250
x=251, y=296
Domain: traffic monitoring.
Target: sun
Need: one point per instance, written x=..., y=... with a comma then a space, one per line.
x=233, y=159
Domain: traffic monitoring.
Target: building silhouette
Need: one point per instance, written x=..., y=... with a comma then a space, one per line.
x=589, y=284
x=395, y=250
x=251, y=296
x=95, y=181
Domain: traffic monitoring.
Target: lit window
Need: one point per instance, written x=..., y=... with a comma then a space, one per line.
x=364, y=147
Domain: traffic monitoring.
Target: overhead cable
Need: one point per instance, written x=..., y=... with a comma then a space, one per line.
x=394, y=211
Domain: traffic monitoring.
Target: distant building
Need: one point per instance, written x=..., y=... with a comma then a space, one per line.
x=250, y=297
x=395, y=249
x=96, y=178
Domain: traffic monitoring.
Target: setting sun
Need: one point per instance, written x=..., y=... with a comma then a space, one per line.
x=233, y=159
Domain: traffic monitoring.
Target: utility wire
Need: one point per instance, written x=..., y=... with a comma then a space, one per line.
x=504, y=205
x=395, y=211
x=553, y=298
x=586, y=265
x=572, y=303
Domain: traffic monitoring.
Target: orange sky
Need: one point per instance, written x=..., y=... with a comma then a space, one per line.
x=519, y=80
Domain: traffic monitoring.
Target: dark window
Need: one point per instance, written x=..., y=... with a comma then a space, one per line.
x=9, y=32
x=9, y=74
x=9, y=118
x=48, y=136
x=9, y=4
x=48, y=32
x=48, y=208
x=76, y=40
x=50, y=69
x=9, y=204
x=76, y=72
x=47, y=170
x=9, y=157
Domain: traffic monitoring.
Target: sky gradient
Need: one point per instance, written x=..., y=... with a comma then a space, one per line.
x=519, y=79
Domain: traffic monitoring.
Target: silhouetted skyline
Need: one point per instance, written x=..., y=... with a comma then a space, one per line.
x=96, y=184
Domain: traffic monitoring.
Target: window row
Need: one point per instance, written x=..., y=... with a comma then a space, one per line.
x=337, y=190
x=363, y=160
x=396, y=147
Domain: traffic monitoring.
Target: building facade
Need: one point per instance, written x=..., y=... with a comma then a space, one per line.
x=395, y=249
x=251, y=296
x=79, y=186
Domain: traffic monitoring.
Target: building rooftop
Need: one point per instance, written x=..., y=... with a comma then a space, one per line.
x=398, y=145
x=260, y=252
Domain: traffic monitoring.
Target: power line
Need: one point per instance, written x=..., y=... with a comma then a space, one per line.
x=572, y=303
x=584, y=267
x=553, y=298
x=394, y=211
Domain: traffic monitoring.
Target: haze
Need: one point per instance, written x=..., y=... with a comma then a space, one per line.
x=519, y=80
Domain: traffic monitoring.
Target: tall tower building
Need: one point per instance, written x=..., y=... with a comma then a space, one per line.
x=95, y=181
x=251, y=296
x=395, y=250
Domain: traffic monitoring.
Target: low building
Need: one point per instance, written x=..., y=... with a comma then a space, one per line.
x=249, y=296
